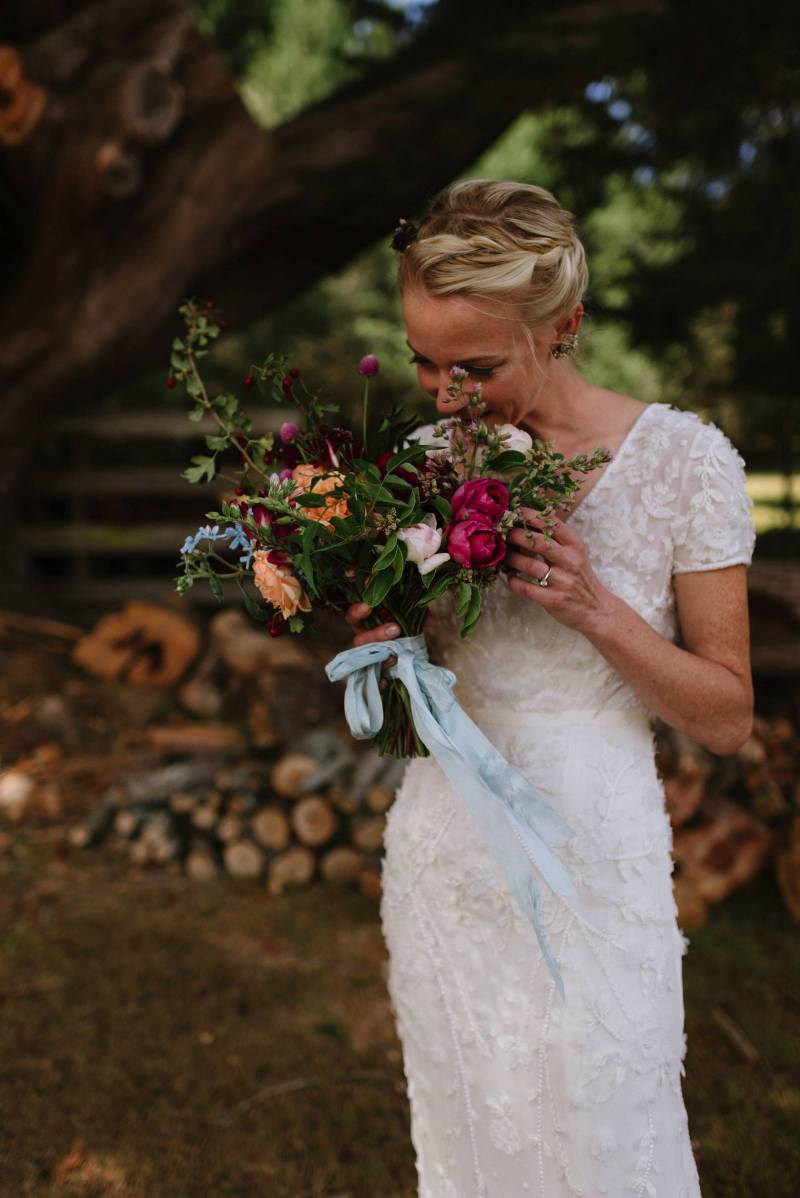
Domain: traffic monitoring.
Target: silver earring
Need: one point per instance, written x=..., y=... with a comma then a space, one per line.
x=565, y=347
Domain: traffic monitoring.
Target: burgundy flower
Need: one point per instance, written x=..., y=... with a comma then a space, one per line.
x=473, y=542
x=382, y=462
x=487, y=496
x=369, y=365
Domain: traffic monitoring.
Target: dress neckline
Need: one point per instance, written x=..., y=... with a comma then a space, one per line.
x=621, y=449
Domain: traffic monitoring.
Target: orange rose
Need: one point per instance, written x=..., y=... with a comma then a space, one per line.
x=279, y=586
x=320, y=481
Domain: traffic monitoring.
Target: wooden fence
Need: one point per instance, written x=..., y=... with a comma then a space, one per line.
x=104, y=521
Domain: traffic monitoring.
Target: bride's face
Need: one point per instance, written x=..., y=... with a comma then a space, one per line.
x=446, y=331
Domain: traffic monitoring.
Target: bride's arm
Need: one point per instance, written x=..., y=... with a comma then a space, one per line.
x=703, y=688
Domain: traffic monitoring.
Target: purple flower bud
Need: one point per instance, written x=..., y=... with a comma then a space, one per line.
x=284, y=474
x=369, y=365
x=457, y=372
x=289, y=431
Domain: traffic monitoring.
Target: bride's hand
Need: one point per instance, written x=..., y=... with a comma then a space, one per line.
x=573, y=595
x=356, y=613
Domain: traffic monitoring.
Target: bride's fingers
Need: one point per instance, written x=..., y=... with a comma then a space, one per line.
x=356, y=612
x=533, y=567
x=535, y=542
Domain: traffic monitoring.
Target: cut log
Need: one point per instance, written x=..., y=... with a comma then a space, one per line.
x=196, y=738
x=723, y=853
x=290, y=772
x=378, y=798
x=201, y=693
x=341, y=864
x=17, y=793
x=366, y=832
x=261, y=725
x=686, y=767
x=144, y=642
x=156, y=785
x=270, y=828
x=204, y=816
x=158, y=834
x=370, y=882
x=249, y=652
x=343, y=799
x=244, y=859
x=294, y=867
x=93, y=827
x=230, y=829
x=314, y=820
x=787, y=871
x=201, y=863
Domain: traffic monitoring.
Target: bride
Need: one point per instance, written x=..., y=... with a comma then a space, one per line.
x=636, y=607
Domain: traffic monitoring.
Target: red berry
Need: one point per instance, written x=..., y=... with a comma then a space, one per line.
x=238, y=490
x=286, y=383
x=170, y=383
x=248, y=380
x=294, y=372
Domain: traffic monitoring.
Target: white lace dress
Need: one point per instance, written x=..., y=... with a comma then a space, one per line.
x=513, y=1093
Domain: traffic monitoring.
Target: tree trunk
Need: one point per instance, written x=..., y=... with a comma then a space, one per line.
x=135, y=176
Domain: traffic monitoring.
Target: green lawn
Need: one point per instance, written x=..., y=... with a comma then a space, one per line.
x=167, y=1039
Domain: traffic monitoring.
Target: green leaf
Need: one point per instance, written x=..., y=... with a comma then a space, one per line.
x=309, y=536
x=405, y=455
x=193, y=386
x=215, y=442
x=507, y=459
x=296, y=624
x=378, y=588
x=257, y=610
x=197, y=413
x=309, y=500
x=473, y=612
x=441, y=583
x=204, y=467
x=443, y=508
x=398, y=565
x=216, y=586
x=386, y=556
x=464, y=596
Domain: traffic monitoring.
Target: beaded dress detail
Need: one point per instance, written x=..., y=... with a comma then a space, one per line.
x=513, y=1093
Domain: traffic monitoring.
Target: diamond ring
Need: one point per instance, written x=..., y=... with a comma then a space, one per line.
x=543, y=580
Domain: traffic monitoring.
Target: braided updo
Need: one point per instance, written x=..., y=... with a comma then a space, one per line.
x=500, y=240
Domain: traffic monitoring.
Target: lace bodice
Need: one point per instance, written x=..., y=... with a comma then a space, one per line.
x=671, y=501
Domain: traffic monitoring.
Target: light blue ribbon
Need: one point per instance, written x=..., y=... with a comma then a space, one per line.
x=515, y=820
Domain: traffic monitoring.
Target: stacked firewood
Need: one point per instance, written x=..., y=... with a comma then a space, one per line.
x=318, y=810
x=227, y=754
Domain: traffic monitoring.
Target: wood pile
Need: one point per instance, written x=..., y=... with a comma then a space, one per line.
x=218, y=750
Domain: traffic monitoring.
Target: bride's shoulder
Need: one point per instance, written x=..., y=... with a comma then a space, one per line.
x=690, y=436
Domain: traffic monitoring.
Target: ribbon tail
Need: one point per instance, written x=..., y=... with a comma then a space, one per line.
x=513, y=844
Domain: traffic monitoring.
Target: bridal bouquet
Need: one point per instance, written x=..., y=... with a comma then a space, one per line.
x=322, y=517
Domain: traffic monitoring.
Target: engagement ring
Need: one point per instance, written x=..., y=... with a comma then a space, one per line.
x=543, y=580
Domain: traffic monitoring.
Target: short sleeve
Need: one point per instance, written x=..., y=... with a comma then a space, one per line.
x=713, y=525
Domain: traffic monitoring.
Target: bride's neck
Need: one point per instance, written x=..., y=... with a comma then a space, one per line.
x=566, y=407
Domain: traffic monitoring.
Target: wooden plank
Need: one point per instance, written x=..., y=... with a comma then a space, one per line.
x=63, y=539
x=116, y=480
x=156, y=424
x=104, y=592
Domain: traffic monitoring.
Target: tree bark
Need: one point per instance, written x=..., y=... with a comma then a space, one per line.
x=142, y=178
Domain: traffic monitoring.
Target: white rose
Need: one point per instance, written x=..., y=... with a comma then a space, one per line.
x=423, y=541
x=437, y=559
x=515, y=438
x=426, y=435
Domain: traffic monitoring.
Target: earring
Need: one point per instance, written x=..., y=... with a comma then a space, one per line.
x=565, y=347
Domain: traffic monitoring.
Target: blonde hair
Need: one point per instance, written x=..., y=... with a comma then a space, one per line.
x=500, y=240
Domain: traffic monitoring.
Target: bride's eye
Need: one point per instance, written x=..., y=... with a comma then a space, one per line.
x=484, y=371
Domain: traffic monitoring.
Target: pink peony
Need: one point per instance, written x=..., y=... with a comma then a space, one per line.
x=473, y=542
x=487, y=496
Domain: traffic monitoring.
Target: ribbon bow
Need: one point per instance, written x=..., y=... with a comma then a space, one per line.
x=516, y=821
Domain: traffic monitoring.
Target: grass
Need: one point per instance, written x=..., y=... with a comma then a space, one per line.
x=167, y=1039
